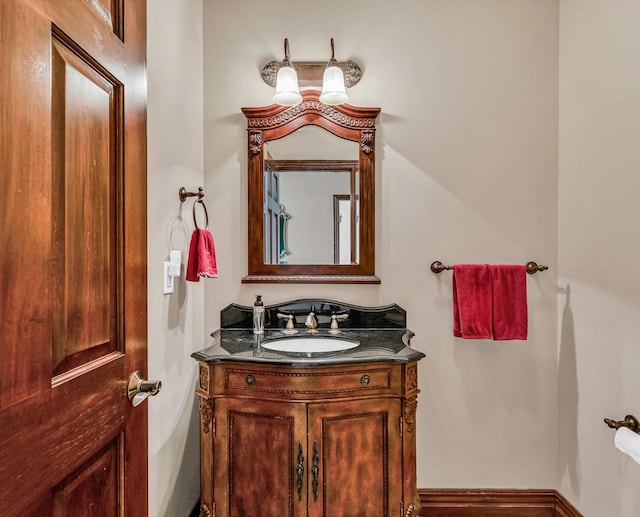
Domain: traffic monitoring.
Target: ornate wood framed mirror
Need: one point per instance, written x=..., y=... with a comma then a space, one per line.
x=296, y=158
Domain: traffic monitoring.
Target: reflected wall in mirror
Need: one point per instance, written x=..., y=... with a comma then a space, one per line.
x=311, y=177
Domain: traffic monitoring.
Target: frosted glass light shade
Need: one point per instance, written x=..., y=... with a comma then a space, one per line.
x=333, y=89
x=287, y=91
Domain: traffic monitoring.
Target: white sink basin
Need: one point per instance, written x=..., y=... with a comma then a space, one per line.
x=309, y=344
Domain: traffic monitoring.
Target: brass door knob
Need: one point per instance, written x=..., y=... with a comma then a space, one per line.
x=139, y=388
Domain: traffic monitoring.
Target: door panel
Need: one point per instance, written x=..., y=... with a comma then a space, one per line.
x=86, y=171
x=73, y=266
x=91, y=491
x=257, y=447
x=358, y=448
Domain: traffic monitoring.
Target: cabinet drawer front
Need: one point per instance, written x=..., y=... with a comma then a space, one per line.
x=305, y=384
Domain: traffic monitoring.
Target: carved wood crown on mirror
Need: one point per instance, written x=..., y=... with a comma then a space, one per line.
x=345, y=121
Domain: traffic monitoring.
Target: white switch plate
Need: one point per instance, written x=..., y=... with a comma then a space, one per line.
x=167, y=280
x=171, y=271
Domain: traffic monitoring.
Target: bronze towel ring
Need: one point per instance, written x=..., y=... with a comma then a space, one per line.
x=206, y=215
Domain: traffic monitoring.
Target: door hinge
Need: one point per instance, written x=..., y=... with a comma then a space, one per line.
x=401, y=427
x=401, y=508
x=213, y=434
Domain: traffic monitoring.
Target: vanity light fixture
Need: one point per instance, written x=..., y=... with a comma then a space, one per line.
x=330, y=78
x=287, y=90
x=333, y=87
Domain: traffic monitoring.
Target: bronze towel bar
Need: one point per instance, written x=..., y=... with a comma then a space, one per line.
x=630, y=422
x=532, y=267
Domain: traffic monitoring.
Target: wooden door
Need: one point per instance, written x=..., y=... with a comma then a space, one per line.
x=73, y=258
x=272, y=236
x=260, y=460
x=356, y=458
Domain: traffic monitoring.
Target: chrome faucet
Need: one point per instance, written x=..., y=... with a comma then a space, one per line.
x=311, y=323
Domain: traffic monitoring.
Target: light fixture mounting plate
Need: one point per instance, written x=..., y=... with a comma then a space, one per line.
x=310, y=73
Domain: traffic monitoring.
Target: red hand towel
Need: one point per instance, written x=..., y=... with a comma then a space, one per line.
x=472, y=301
x=509, y=302
x=202, y=256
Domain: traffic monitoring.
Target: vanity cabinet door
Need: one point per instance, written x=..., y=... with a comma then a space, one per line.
x=355, y=458
x=259, y=446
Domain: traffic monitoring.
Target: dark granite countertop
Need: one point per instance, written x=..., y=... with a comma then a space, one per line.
x=380, y=332
x=375, y=345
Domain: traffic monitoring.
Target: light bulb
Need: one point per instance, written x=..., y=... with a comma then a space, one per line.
x=287, y=92
x=333, y=89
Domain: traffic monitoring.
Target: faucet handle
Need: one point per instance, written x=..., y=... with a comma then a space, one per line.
x=335, y=318
x=289, y=317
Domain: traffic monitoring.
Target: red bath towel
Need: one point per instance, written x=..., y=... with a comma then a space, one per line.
x=472, y=301
x=202, y=256
x=509, y=302
x=490, y=301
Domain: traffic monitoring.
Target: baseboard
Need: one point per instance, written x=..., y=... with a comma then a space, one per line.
x=476, y=502
x=565, y=508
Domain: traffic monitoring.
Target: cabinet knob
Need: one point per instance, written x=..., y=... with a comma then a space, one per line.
x=365, y=380
x=250, y=380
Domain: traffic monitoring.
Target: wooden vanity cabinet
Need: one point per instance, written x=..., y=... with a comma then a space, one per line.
x=331, y=441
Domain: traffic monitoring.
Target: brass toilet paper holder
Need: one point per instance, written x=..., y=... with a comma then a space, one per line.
x=630, y=422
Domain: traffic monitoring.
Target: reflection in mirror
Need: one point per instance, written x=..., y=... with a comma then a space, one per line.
x=306, y=193
x=305, y=190
x=311, y=177
x=345, y=237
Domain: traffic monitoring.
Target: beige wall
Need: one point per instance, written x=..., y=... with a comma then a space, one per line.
x=176, y=325
x=599, y=183
x=466, y=172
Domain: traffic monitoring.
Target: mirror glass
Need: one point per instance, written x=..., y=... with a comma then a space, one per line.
x=311, y=193
x=311, y=199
